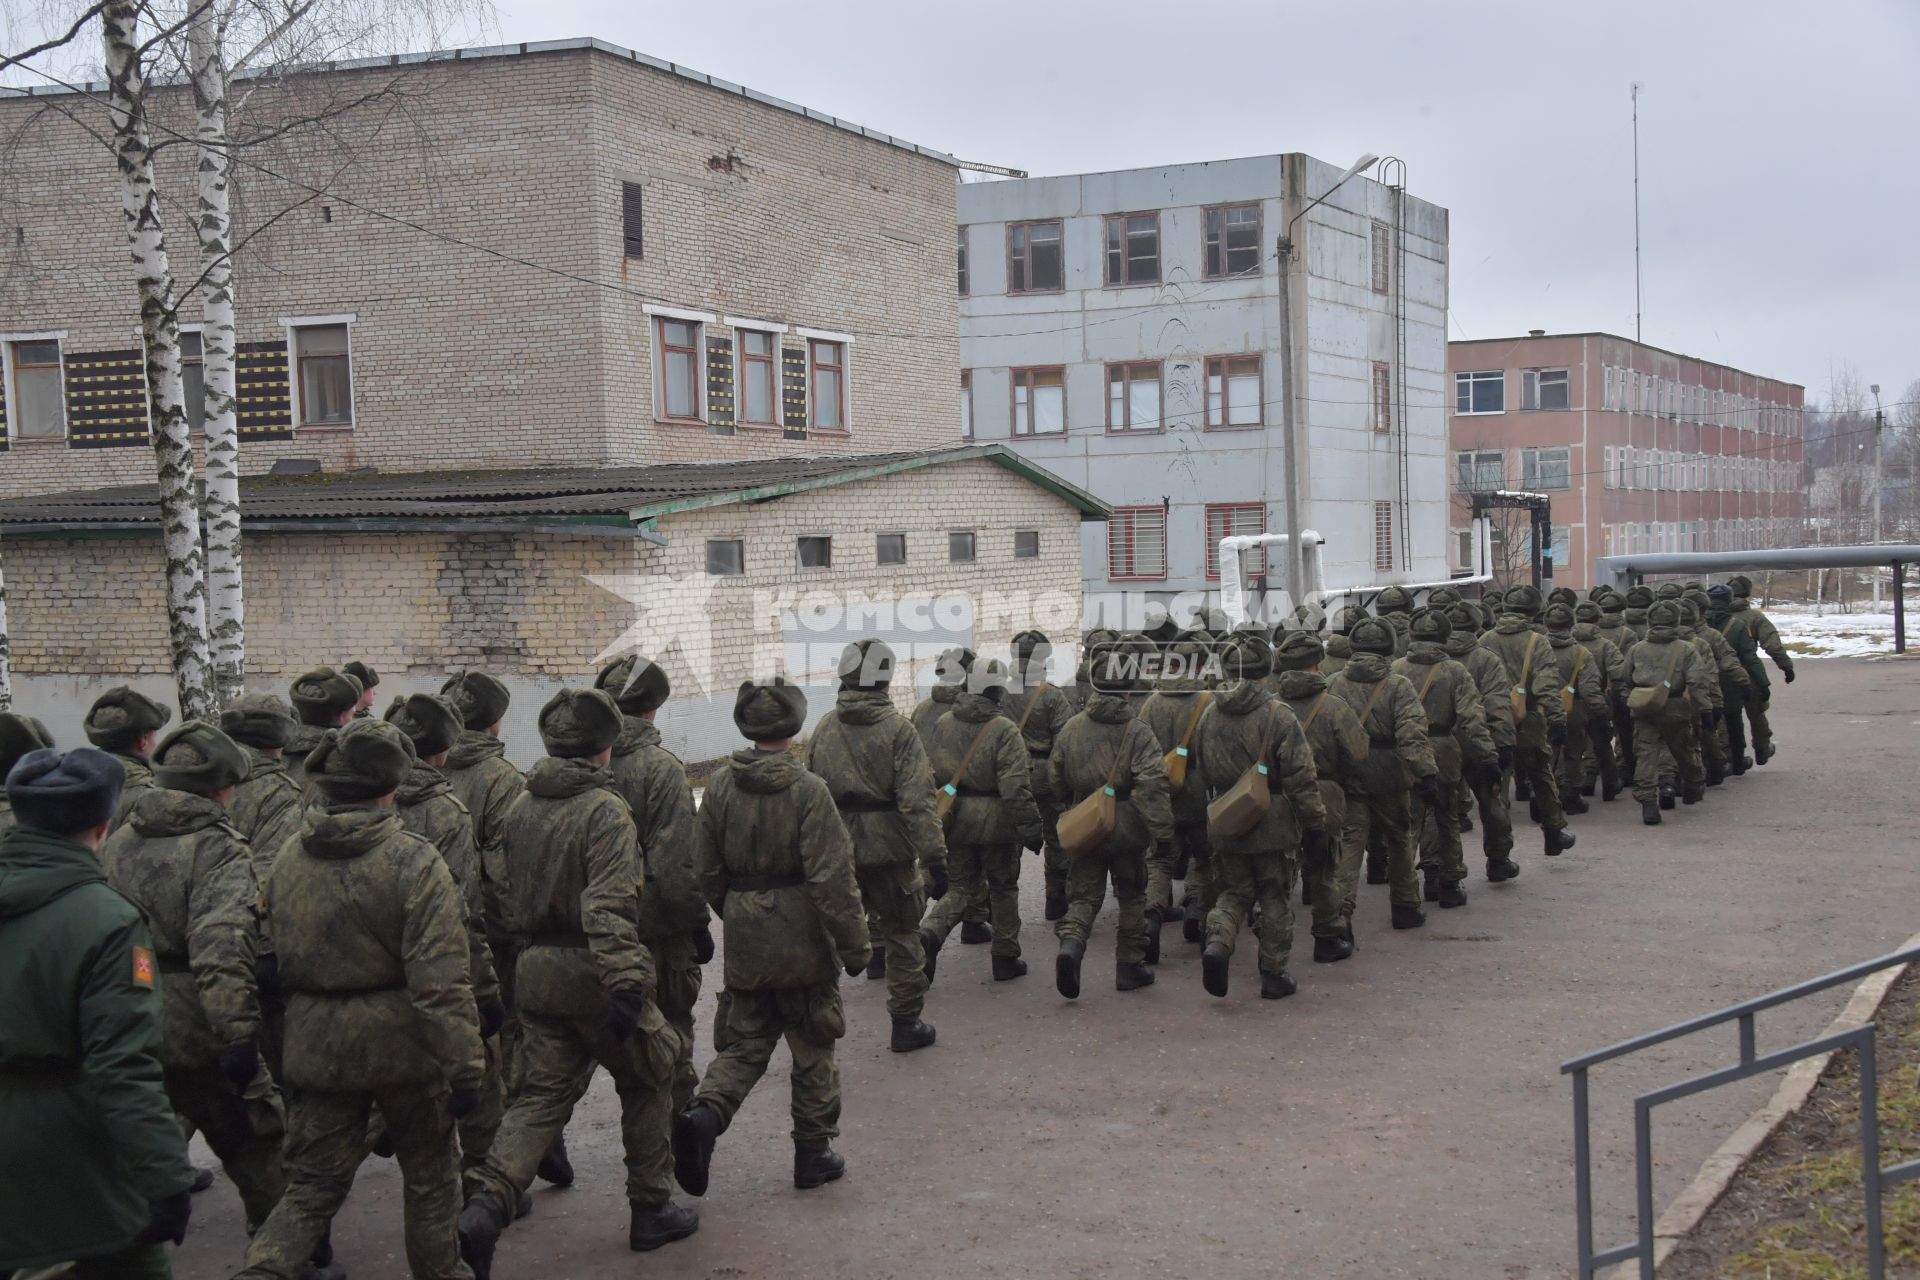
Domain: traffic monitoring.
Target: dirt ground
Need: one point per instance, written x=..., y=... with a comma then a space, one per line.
x=1403, y=1116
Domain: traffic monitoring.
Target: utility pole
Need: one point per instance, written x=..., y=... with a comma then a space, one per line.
x=1879, y=479
x=1636, y=211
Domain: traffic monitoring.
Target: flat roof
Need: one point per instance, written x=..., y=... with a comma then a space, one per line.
x=1632, y=342
x=523, y=49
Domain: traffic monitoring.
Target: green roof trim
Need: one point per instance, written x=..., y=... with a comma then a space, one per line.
x=1090, y=507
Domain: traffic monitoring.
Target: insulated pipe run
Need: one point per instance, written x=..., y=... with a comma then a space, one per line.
x=1482, y=571
x=1233, y=595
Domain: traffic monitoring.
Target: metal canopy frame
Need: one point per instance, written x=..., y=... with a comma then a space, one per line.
x=1540, y=545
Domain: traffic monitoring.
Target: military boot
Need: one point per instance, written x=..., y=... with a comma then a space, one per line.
x=931, y=942
x=1376, y=869
x=1277, y=986
x=1693, y=793
x=1429, y=886
x=910, y=1034
x=555, y=1167
x=695, y=1131
x=1007, y=968
x=1666, y=796
x=1408, y=917
x=816, y=1164
x=203, y=1176
x=1650, y=812
x=1466, y=823
x=1066, y=967
x=1521, y=789
x=1452, y=894
x=1612, y=790
x=1194, y=927
x=1154, y=922
x=481, y=1222
x=1131, y=976
x=1586, y=788
x=1499, y=869
x=1056, y=908
x=648, y=1229
x=1741, y=766
x=1762, y=752
x=1214, y=962
x=877, y=963
x=1556, y=840
x=1331, y=950
x=1571, y=802
x=975, y=932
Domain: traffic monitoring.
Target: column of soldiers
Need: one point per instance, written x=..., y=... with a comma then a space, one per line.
x=316, y=934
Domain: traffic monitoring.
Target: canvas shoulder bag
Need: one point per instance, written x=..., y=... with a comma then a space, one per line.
x=1647, y=703
x=1086, y=826
x=1239, y=808
x=1178, y=757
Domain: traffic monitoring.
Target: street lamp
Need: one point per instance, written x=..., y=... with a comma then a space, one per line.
x=1879, y=478
x=1289, y=446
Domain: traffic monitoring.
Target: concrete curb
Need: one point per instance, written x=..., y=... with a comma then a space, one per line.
x=1717, y=1173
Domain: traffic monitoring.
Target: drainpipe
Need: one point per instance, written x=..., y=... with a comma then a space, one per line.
x=1289, y=446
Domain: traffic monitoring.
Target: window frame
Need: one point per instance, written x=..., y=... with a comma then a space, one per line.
x=1026, y=274
x=1209, y=423
x=1259, y=226
x=839, y=373
x=660, y=319
x=199, y=331
x=1382, y=398
x=800, y=543
x=1227, y=510
x=1382, y=536
x=1531, y=469
x=967, y=427
x=9, y=361
x=1127, y=368
x=771, y=332
x=1475, y=459
x=294, y=326
x=965, y=281
x=707, y=560
x=1380, y=258
x=973, y=546
x=1131, y=512
x=1530, y=385
x=1020, y=376
x=1473, y=378
x=879, y=558
x=1033, y=534
x=1107, y=225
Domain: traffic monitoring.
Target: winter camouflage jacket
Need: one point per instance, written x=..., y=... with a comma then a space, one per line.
x=572, y=893
x=182, y=863
x=269, y=809
x=487, y=784
x=1339, y=653
x=1664, y=656
x=1398, y=749
x=1106, y=742
x=139, y=781
x=876, y=769
x=305, y=738
x=1333, y=732
x=775, y=862
x=1490, y=677
x=1246, y=725
x=428, y=808
x=1765, y=635
x=1174, y=715
x=1739, y=637
x=994, y=805
x=374, y=964
x=1052, y=708
x=653, y=782
x=1456, y=713
x=1707, y=695
x=1612, y=628
x=1726, y=660
x=1606, y=657
x=1579, y=674
x=1537, y=680
x=930, y=708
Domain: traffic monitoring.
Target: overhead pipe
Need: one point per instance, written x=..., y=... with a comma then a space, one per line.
x=1233, y=595
x=1482, y=530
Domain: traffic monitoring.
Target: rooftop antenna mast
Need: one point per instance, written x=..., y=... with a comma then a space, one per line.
x=1636, y=211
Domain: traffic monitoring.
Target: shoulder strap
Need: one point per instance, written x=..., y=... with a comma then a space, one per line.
x=1427, y=684
x=1526, y=663
x=1194, y=723
x=966, y=757
x=1579, y=665
x=1673, y=666
x=1315, y=713
x=1378, y=689
x=1032, y=702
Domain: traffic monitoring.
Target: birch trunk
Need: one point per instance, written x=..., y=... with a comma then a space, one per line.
x=186, y=588
x=226, y=609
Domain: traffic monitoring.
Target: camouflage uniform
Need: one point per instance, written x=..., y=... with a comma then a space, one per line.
x=1173, y=712
x=1051, y=708
x=1339, y=748
x=584, y=981
x=1246, y=726
x=950, y=673
x=187, y=868
x=115, y=723
x=1709, y=703
x=776, y=865
x=1489, y=793
x=874, y=766
x=1766, y=637
x=1457, y=728
x=1378, y=828
x=371, y=937
x=1582, y=695
x=268, y=805
x=1394, y=606
x=1612, y=628
x=1664, y=745
x=1605, y=657
x=322, y=699
x=1544, y=728
x=1740, y=697
x=19, y=735
x=927, y=712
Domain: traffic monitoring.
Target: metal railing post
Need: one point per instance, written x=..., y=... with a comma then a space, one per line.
x=1870, y=1159
x=1643, y=1181
x=1582, y=1177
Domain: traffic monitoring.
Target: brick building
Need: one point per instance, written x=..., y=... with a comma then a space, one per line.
x=1640, y=449
x=536, y=257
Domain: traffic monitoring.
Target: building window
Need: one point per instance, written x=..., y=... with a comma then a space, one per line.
x=964, y=287
x=1481, y=392
x=1561, y=550
x=1545, y=389
x=39, y=397
x=1545, y=468
x=1607, y=474
x=966, y=404
x=1026, y=544
x=1234, y=391
x=890, y=548
x=1039, y=402
x=1137, y=544
x=1232, y=520
x=1034, y=260
x=960, y=547
x=1480, y=471
x=679, y=369
x=633, y=240
x=1133, y=396
x=193, y=378
x=726, y=557
x=816, y=551
x=1382, y=397
x=827, y=385
x=1382, y=257
x=1232, y=241
x=1133, y=248
x=1383, y=537
x=323, y=366
x=759, y=379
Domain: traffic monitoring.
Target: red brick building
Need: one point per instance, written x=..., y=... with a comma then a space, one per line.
x=1641, y=449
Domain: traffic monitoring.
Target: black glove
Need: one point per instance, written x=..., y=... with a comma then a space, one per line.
x=266, y=976
x=1503, y=757
x=1428, y=789
x=1484, y=774
x=462, y=1102
x=1786, y=673
x=1557, y=734
x=1313, y=846
x=167, y=1218
x=937, y=882
x=702, y=945
x=493, y=1016
x=239, y=1063
x=624, y=1008
x=857, y=964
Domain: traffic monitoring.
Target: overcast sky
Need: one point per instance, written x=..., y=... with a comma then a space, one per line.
x=1777, y=140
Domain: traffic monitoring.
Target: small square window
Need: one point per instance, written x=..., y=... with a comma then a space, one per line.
x=960, y=547
x=890, y=548
x=1035, y=262
x=1232, y=240
x=816, y=551
x=1133, y=248
x=1026, y=544
x=726, y=557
